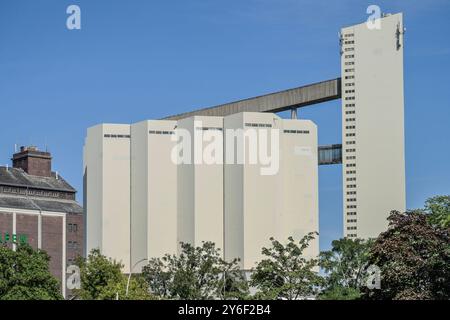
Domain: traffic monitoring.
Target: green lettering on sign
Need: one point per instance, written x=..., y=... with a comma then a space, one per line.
x=6, y=237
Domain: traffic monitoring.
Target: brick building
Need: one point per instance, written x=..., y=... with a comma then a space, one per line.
x=38, y=206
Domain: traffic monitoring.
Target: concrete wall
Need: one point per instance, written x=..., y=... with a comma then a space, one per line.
x=154, y=190
x=107, y=166
x=200, y=186
x=298, y=204
x=373, y=129
x=279, y=205
x=234, y=205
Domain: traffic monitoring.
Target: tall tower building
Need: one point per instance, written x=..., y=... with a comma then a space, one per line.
x=153, y=191
x=372, y=125
x=200, y=184
x=107, y=191
x=140, y=203
x=279, y=204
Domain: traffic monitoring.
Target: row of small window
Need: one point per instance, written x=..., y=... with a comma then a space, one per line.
x=349, y=49
x=350, y=165
x=260, y=125
x=349, y=35
x=350, y=142
x=72, y=245
x=351, y=192
x=351, y=228
x=349, y=56
x=350, y=98
x=351, y=186
x=350, y=119
x=350, y=135
x=350, y=77
x=350, y=157
x=348, y=105
x=351, y=179
x=117, y=136
x=350, y=150
x=351, y=235
x=72, y=227
x=350, y=172
x=350, y=127
x=209, y=129
x=297, y=131
x=352, y=220
x=351, y=199
x=349, y=70
x=161, y=132
x=350, y=91
x=351, y=213
x=349, y=63
x=349, y=84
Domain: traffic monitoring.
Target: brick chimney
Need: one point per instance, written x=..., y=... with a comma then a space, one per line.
x=33, y=161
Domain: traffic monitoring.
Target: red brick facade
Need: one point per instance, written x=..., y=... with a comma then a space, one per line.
x=28, y=225
x=6, y=227
x=52, y=242
x=33, y=161
x=40, y=200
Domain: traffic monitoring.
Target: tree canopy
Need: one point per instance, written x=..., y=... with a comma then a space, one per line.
x=25, y=275
x=414, y=258
x=286, y=273
x=102, y=279
x=196, y=273
x=438, y=209
x=344, y=266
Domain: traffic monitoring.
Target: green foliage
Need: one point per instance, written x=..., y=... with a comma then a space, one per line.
x=97, y=272
x=286, y=273
x=25, y=275
x=138, y=289
x=414, y=258
x=233, y=283
x=438, y=209
x=197, y=273
x=345, y=266
x=102, y=279
x=340, y=293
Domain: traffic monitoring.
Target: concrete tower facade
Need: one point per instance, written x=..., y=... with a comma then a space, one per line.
x=140, y=203
x=153, y=191
x=107, y=191
x=200, y=184
x=279, y=204
x=372, y=125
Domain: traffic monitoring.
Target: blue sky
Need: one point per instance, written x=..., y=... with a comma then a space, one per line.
x=136, y=60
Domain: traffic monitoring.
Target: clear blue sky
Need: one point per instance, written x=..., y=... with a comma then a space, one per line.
x=136, y=60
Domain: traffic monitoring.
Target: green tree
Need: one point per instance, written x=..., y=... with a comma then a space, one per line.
x=25, y=275
x=233, y=283
x=438, y=209
x=345, y=267
x=102, y=279
x=414, y=258
x=286, y=273
x=96, y=273
x=138, y=289
x=195, y=274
